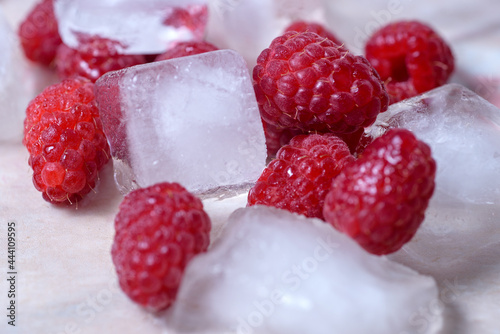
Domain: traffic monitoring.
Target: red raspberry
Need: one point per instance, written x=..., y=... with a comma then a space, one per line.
x=276, y=138
x=39, y=35
x=94, y=57
x=300, y=176
x=158, y=230
x=410, y=57
x=380, y=200
x=302, y=26
x=186, y=49
x=64, y=137
x=309, y=83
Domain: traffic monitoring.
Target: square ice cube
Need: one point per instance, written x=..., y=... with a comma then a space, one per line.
x=192, y=120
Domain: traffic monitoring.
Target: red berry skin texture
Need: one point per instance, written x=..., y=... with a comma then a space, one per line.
x=64, y=137
x=184, y=49
x=380, y=200
x=158, y=230
x=38, y=33
x=94, y=57
x=303, y=26
x=410, y=57
x=300, y=176
x=306, y=82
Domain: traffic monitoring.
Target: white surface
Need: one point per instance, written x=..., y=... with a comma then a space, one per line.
x=192, y=120
x=13, y=96
x=66, y=281
x=276, y=272
x=143, y=33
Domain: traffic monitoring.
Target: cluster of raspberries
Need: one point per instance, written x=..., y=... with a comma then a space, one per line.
x=315, y=100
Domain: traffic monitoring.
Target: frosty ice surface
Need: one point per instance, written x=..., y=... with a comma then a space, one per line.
x=142, y=27
x=192, y=120
x=272, y=271
x=463, y=131
x=458, y=241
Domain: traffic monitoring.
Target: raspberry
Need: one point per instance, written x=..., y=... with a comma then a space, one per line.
x=158, y=230
x=38, y=33
x=94, y=57
x=186, y=49
x=309, y=83
x=410, y=57
x=64, y=137
x=300, y=176
x=302, y=26
x=380, y=200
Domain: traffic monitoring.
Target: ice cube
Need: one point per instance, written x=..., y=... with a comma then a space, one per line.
x=272, y=271
x=463, y=131
x=16, y=86
x=458, y=241
x=249, y=26
x=142, y=27
x=192, y=120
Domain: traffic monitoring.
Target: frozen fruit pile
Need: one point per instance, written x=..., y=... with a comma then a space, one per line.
x=350, y=170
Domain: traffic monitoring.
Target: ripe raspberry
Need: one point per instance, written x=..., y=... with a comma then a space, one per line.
x=300, y=176
x=410, y=57
x=64, y=137
x=39, y=35
x=302, y=26
x=380, y=200
x=186, y=49
x=158, y=230
x=309, y=83
x=94, y=57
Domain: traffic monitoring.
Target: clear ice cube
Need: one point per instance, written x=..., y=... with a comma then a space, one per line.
x=249, y=26
x=463, y=131
x=272, y=271
x=16, y=85
x=192, y=120
x=458, y=241
x=142, y=27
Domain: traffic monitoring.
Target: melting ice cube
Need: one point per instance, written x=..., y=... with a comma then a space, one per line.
x=249, y=26
x=16, y=86
x=463, y=131
x=458, y=241
x=142, y=27
x=192, y=120
x=272, y=271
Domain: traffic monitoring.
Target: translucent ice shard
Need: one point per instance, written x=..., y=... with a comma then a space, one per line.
x=192, y=120
x=249, y=26
x=463, y=131
x=275, y=272
x=16, y=86
x=142, y=27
